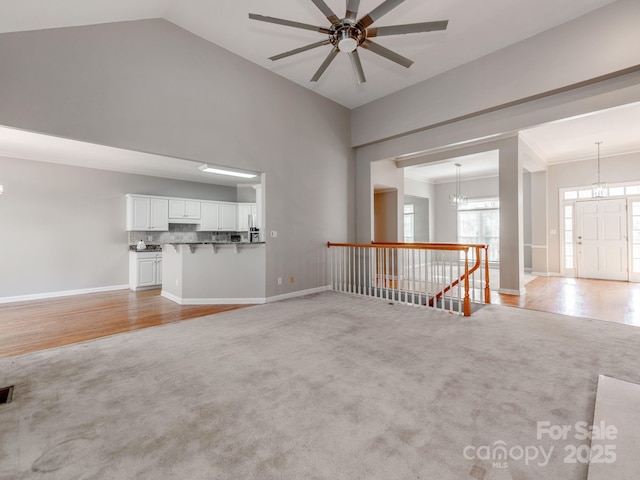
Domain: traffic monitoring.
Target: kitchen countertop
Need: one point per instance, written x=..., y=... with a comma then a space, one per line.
x=150, y=248
x=158, y=248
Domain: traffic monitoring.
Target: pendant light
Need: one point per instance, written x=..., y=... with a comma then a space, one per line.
x=599, y=189
x=457, y=198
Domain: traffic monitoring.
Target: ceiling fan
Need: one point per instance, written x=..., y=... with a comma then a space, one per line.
x=348, y=33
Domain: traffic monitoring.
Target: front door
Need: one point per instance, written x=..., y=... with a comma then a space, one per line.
x=601, y=239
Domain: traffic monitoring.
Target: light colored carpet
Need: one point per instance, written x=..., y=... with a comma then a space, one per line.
x=328, y=386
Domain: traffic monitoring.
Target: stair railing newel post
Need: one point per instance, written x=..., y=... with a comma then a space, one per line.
x=487, y=288
x=467, y=300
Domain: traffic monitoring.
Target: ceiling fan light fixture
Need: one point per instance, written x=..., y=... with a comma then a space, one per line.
x=347, y=43
x=348, y=33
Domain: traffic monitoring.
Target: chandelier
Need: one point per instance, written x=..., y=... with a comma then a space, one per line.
x=457, y=198
x=599, y=189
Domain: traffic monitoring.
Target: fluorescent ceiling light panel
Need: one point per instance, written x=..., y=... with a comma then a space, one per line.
x=220, y=171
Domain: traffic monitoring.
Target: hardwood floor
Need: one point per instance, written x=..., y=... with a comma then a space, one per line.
x=37, y=325
x=579, y=297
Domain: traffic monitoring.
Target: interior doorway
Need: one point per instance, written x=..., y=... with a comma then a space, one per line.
x=601, y=239
x=385, y=215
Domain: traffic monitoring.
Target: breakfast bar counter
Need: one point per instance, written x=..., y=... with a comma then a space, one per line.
x=214, y=273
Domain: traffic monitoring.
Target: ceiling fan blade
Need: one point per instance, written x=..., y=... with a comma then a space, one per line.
x=410, y=28
x=299, y=50
x=386, y=53
x=377, y=13
x=352, y=10
x=325, y=64
x=324, y=8
x=288, y=23
x=357, y=66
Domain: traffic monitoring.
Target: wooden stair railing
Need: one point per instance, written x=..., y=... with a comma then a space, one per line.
x=476, y=266
x=478, y=248
x=442, y=247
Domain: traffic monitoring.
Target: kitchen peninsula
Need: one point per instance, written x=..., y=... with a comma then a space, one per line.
x=203, y=252
x=214, y=273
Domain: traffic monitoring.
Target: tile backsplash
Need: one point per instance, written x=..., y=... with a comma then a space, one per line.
x=182, y=233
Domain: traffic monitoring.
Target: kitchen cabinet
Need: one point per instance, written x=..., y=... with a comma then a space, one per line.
x=218, y=216
x=209, y=216
x=246, y=216
x=147, y=213
x=180, y=209
x=228, y=217
x=145, y=270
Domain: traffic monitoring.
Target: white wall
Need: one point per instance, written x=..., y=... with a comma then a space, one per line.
x=151, y=86
x=622, y=168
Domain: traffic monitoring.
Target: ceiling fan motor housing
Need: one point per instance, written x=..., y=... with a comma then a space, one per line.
x=346, y=36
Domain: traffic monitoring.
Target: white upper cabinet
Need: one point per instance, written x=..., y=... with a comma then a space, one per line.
x=209, y=216
x=180, y=209
x=228, y=217
x=246, y=216
x=147, y=213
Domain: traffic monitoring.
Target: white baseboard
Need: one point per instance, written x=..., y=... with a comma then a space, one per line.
x=65, y=293
x=242, y=301
x=507, y=291
x=299, y=293
x=212, y=301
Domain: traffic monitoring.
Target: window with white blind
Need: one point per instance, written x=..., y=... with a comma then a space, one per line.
x=409, y=223
x=479, y=223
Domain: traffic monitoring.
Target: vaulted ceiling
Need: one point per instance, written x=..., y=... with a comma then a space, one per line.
x=475, y=29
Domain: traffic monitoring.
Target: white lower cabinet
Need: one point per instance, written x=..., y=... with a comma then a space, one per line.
x=145, y=270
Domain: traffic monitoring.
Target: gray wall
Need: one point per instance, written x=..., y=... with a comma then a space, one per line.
x=63, y=227
x=593, y=45
x=539, y=225
x=526, y=210
x=246, y=194
x=490, y=100
x=153, y=87
x=420, y=217
x=418, y=188
x=446, y=221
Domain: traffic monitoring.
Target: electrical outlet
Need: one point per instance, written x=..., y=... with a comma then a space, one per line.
x=292, y=279
x=279, y=280
x=274, y=234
